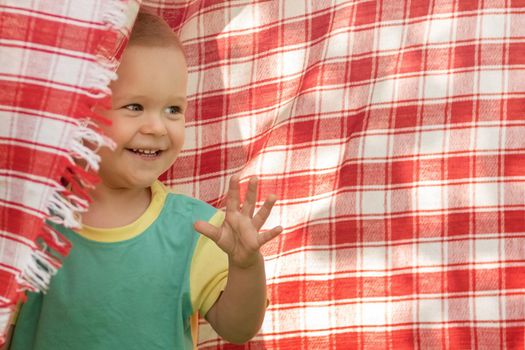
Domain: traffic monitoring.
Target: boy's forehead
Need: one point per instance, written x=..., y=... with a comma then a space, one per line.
x=153, y=57
x=148, y=71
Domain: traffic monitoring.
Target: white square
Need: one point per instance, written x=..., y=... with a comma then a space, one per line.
x=239, y=73
x=189, y=30
x=338, y=45
x=189, y=138
x=31, y=195
x=49, y=132
x=487, y=138
x=487, y=250
x=430, y=310
x=294, y=8
x=328, y=157
x=374, y=258
x=86, y=11
x=373, y=202
x=346, y=314
x=383, y=91
x=390, y=37
x=272, y=162
x=429, y=197
x=318, y=262
x=490, y=82
x=291, y=214
x=332, y=100
x=293, y=61
x=240, y=18
x=493, y=26
x=193, y=82
x=292, y=264
x=11, y=60
x=432, y=142
x=487, y=308
x=239, y=128
x=486, y=194
x=375, y=146
x=270, y=66
x=68, y=70
x=430, y=254
x=439, y=30
x=320, y=208
x=373, y=314
x=317, y=317
x=436, y=86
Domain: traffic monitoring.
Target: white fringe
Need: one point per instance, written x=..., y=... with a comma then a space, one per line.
x=115, y=13
x=98, y=79
x=6, y=313
x=57, y=240
x=38, y=272
x=65, y=212
x=83, y=133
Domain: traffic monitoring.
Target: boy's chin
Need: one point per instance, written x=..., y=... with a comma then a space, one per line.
x=142, y=182
x=136, y=182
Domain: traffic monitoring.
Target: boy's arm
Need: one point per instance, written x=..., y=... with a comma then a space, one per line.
x=239, y=312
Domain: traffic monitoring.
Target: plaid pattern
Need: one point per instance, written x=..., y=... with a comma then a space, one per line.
x=393, y=133
x=55, y=64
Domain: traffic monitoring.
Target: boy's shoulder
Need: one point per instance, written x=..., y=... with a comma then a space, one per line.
x=185, y=205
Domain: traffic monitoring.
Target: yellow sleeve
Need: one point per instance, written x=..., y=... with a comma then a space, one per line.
x=209, y=271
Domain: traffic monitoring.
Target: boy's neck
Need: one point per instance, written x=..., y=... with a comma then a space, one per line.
x=116, y=207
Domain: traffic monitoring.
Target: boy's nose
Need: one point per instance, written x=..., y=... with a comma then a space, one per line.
x=153, y=124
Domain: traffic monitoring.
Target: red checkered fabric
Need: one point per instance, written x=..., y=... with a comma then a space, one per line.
x=56, y=61
x=393, y=133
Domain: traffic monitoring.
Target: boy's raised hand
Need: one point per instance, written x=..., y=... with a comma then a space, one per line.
x=239, y=235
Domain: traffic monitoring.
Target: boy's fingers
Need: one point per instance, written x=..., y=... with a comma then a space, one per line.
x=248, y=207
x=267, y=236
x=260, y=218
x=232, y=201
x=207, y=230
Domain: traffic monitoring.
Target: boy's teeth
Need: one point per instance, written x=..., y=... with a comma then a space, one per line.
x=144, y=151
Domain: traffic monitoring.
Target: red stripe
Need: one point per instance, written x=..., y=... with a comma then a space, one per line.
x=19, y=222
x=40, y=98
x=50, y=14
x=32, y=161
x=349, y=290
x=84, y=40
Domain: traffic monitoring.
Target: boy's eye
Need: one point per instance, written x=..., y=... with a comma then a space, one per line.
x=134, y=107
x=173, y=110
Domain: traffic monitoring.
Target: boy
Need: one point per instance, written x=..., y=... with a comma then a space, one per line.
x=138, y=269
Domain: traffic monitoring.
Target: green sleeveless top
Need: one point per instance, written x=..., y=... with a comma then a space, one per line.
x=134, y=287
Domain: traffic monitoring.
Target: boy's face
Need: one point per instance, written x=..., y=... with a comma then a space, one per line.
x=147, y=115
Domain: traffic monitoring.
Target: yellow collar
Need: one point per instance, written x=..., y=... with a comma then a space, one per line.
x=117, y=234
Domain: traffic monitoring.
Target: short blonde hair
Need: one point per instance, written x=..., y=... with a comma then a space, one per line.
x=152, y=30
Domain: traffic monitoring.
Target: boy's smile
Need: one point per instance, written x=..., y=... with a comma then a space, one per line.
x=147, y=115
